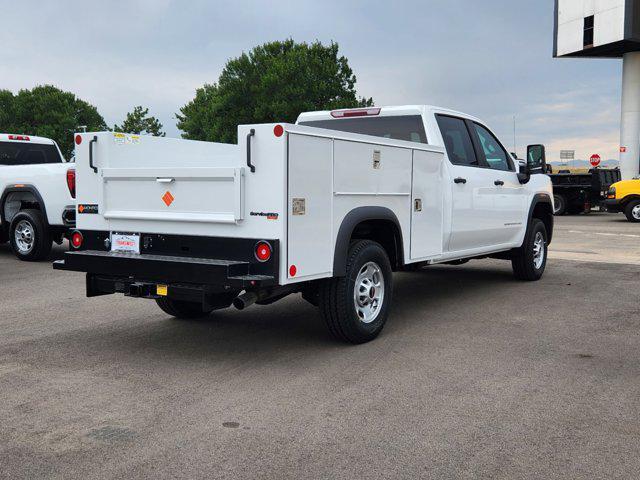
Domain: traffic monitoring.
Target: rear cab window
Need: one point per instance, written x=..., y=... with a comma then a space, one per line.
x=25, y=153
x=409, y=128
x=457, y=141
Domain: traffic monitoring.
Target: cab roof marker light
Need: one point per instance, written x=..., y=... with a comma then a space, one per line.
x=359, y=112
x=24, y=138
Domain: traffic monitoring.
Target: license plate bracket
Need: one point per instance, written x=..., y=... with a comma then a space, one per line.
x=125, y=242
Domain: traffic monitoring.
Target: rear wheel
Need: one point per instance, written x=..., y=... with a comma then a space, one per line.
x=356, y=306
x=529, y=263
x=632, y=211
x=182, y=309
x=559, y=205
x=29, y=236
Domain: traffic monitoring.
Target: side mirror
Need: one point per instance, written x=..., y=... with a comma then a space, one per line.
x=536, y=159
x=524, y=174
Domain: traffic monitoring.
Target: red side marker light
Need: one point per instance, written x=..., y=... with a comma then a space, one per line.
x=76, y=240
x=78, y=139
x=278, y=130
x=292, y=271
x=263, y=251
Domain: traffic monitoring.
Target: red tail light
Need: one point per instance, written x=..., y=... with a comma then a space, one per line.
x=76, y=239
x=263, y=251
x=71, y=181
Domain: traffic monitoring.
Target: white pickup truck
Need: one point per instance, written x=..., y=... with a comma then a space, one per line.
x=328, y=207
x=37, y=189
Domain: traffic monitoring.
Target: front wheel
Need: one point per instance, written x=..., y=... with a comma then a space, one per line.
x=356, y=306
x=531, y=259
x=29, y=236
x=632, y=211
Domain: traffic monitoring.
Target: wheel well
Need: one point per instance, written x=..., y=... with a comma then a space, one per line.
x=13, y=202
x=629, y=198
x=544, y=212
x=379, y=224
x=386, y=233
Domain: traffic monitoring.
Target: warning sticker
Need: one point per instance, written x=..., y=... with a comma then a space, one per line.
x=125, y=139
x=119, y=138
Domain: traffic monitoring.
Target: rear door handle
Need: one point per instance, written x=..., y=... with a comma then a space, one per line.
x=499, y=183
x=164, y=180
x=459, y=180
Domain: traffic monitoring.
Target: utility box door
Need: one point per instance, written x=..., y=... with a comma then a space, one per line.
x=427, y=204
x=309, y=245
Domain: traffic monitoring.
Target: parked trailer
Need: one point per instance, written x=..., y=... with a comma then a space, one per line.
x=579, y=192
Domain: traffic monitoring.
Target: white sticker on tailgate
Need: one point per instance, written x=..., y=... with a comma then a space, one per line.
x=125, y=242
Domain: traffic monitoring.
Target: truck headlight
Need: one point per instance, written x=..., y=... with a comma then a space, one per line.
x=611, y=193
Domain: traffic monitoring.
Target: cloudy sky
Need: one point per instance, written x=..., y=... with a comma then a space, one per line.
x=490, y=58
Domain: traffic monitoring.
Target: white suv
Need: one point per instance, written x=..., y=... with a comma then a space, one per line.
x=37, y=191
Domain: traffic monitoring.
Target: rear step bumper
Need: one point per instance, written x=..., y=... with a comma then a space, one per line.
x=214, y=274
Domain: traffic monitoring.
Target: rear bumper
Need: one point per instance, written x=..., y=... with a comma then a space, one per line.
x=69, y=217
x=164, y=261
x=224, y=274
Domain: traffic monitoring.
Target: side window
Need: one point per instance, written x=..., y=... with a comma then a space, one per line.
x=457, y=140
x=497, y=158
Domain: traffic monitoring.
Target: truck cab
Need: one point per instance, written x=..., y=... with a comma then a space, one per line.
x=328, y=207
x=624, y=196
x=37, y=189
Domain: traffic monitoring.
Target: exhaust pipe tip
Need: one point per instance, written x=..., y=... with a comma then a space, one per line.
x=245, y=300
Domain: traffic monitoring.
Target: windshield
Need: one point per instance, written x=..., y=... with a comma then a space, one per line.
x=14, y=153
x=404, y=127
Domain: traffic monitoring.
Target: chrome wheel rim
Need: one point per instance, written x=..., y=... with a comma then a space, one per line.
x=538, y=250
x=368, y=292
x=635, y=211
x=24, y=236
x=556, y=204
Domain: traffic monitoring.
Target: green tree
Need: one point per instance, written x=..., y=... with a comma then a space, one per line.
x=47, y=111
x=139, y=121
x=274, y=82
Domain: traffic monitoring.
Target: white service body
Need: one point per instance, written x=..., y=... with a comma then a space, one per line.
x=325, y=174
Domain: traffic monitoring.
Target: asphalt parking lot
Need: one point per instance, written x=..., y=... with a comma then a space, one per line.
x=475, y=376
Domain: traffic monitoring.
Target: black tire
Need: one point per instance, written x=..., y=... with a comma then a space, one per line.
x=632, y=211
x=338, y=305
x=181, y=309
x=524, y=263
x=35, y=239
x=560, y=205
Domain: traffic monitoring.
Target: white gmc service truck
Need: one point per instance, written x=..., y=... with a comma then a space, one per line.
x=37, y=189
x=328, y=207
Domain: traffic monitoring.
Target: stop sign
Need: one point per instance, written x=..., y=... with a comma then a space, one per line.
x=595, y=160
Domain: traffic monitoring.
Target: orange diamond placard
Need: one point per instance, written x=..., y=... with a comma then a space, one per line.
x=167, y=198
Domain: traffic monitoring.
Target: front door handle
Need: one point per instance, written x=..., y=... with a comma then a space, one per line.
x=459, y=180
x=498, y=183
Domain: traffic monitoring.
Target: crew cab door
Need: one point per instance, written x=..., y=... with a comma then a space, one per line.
x=472, y=189
x=509, y=195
